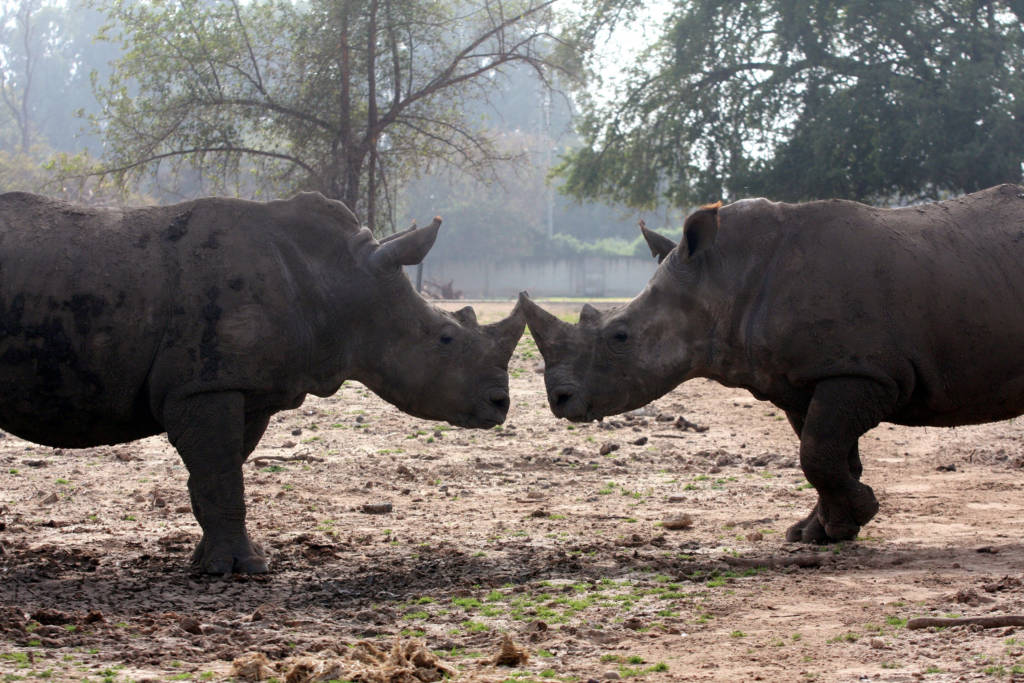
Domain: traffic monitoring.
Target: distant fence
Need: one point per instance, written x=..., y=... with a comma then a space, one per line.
x=579, y=277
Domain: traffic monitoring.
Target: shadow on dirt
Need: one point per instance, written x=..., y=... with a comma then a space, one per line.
x=309, y=573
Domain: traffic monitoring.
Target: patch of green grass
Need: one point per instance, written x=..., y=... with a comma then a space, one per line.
x=466, y=603
x=631, y=672
x=737, y=634
x=21, y=658
x=898, y=622
x=475, y=626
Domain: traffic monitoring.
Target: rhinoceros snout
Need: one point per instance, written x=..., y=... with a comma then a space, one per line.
x=566, y=402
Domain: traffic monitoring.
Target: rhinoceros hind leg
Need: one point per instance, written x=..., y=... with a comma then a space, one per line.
x=213, y=438
x=841, y=410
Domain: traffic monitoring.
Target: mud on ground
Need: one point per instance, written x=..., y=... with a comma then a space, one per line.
x=637, y=549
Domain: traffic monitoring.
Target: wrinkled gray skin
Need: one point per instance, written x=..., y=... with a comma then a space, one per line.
x=205, y=318
x=840, y=314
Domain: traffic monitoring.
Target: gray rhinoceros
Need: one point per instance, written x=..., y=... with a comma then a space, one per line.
x=840, y=314
x=205, y=318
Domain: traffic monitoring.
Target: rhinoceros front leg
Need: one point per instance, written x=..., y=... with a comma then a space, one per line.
x=810, y=529
x=839, y=413
x=214, y=438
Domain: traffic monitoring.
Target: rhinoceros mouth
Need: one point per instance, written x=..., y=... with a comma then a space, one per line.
x=489, y=410
x=473, y=422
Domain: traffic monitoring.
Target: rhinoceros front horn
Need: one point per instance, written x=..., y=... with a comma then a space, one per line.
x=542, y=324
x=506, y=333
x=407, y=249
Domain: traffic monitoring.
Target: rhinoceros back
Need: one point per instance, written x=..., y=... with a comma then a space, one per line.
x=927, y=299
x=82, y=303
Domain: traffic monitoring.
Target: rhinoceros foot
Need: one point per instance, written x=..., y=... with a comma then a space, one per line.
x=808, y=530
x=228, y=556
x=836, y=517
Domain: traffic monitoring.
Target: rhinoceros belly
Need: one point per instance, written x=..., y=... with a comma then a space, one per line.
x=69, y=384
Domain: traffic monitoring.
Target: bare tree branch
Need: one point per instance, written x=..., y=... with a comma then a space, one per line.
x=258, y=81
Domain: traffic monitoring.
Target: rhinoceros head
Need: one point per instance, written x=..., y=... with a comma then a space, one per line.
x=623, y=358
x=428, y=362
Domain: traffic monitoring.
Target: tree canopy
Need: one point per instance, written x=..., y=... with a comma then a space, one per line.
x=881, y=100
x=347, y=97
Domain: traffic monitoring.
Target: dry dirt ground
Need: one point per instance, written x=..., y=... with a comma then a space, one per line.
x=633, y=549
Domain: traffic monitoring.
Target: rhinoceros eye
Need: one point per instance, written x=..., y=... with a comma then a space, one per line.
x=620, y=336
x=446, y=339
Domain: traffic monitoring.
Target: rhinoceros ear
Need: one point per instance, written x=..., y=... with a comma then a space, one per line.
x=659, y=244
x=407, y=249
x=466, y=316
x=700, y=229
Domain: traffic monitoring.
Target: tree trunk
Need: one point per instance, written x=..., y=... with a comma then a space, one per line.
x=371, y=117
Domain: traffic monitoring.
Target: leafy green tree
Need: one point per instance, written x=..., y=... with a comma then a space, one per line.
x=347, y=97
x=881, y=100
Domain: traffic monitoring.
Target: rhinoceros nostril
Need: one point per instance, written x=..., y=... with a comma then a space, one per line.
x=562, y=396
x=499, y=399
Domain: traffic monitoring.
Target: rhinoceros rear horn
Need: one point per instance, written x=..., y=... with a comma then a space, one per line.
x=659, y=244
x=407, y=249
x=589, y=315
x=700, y=229
x=506, y=333
x=466, y=316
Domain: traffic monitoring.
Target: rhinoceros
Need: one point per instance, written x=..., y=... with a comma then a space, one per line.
x=841, y=314
x=204, y=318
